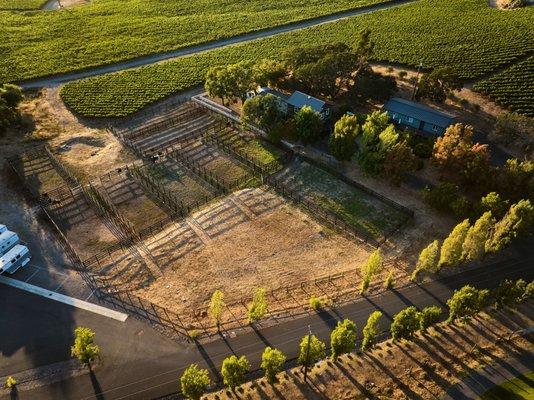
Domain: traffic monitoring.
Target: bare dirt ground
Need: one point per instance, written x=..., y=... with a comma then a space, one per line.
x=422, y=369
x=87, y=151
x=238, y=253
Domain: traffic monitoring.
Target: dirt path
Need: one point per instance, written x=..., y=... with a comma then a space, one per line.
x=187, y=51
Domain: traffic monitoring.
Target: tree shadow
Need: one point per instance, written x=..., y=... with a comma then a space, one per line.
x=97, y=389
x=209, y=362
x=260, y=335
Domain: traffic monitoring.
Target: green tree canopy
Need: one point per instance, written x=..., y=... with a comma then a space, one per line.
x=262, y=111
x=405, y=324
x=272, y=361
x=452, y=248
x=194, y=382
x=428, y=317
x=258, y=307
x=474, y=244
x=317, y=350
x=342, y=143
x=84, y=348
x=371, y=331
x=234, y=370
x=308, y=124
x=428, y=260
x=372, y=266
x=438, y=84
x=517, y=220
x=343, y=338
x=217, y=306
x=466, y=302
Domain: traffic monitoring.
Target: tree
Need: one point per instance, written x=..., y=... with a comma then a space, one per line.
x=269, y=72
x=474, y=244
x=308, y=124
x=233, y=371
x=8, y=115
x=11, y=94
x=316, y=350
x=363, y=51
x=262, y=111
x=342, y=143
x=258, y=307
x=374, y=125
x=516, y=221
x=372, y=266
x=371, y=331
x=217, y=83
x=466, y=302
x=451, y=250
x=510, y=292
x=398, y=161
x=516, y=179
x=272, y=361
x=194, y=382
x=405, y=324
x=343, y=338
x=494, y=203
x=230, y=82
x=456, y=154
x=217, y=306
x=373, y=85
x=84, y=348
x=428, y=260
x=389, y=282
x=428, y=317
x=438, y=84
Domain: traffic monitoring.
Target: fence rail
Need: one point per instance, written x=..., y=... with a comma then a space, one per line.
x=61, y=169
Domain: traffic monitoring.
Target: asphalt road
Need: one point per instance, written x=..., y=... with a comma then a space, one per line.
x=139, y=363
x=247, y=37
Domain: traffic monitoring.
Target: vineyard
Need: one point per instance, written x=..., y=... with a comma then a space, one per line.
x=512, y=88
x=467, y=35
x=21, y=4
x=46, y=43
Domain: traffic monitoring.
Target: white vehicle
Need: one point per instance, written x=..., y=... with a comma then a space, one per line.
x=8, y=240
x=3, y=228
x=15, y=258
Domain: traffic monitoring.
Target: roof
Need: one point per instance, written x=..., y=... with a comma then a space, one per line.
x=419, y=111
x=299, y=100
x=268, y=90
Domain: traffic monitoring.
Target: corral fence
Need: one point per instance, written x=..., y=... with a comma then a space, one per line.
x=328, y=217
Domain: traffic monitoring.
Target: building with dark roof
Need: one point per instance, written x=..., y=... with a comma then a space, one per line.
x=418, y=116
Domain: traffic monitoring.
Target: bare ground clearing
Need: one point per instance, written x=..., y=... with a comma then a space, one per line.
x=422, y=369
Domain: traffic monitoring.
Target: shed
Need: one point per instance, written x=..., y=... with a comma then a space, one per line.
x=298, y=100
x=418, y=116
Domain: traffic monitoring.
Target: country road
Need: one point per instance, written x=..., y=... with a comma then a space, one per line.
x=200, y=48
x=139, y=363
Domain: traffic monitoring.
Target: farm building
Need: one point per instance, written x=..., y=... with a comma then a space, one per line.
x=293, y=103
x=418, y=116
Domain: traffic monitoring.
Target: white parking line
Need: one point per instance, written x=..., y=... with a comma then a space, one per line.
x=61, y=284
x=32, y=275
x=71, y=301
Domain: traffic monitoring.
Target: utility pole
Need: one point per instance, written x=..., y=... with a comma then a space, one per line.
x=307, y=354
x=417, y=79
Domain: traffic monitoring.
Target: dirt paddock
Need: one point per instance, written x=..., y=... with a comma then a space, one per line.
x=280, y=247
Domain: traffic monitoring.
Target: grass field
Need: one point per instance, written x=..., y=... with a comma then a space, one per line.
x=21, y=4
x=464, y=34
x=520, y=388
x=513, y=87
x=353, y=205
x=45, y=43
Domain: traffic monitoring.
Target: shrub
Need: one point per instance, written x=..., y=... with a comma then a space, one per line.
x=343, y=338
x=194, y=382
x=510, y=292
x=441, y=197
x=389, y=283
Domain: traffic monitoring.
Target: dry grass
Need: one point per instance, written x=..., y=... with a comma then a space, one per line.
x=422, y=369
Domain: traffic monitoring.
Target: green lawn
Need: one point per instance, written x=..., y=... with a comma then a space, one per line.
x=467, y=35
x=520, y=388
x=21, y=4
x=104, y=31
x=353, y=205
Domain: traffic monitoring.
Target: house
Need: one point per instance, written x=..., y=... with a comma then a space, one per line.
x=298, y=100
x=418, y=116
x=295, y=102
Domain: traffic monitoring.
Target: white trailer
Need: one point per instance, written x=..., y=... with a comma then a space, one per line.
x=8, y=240
x=15, y=258
x=3, y=228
